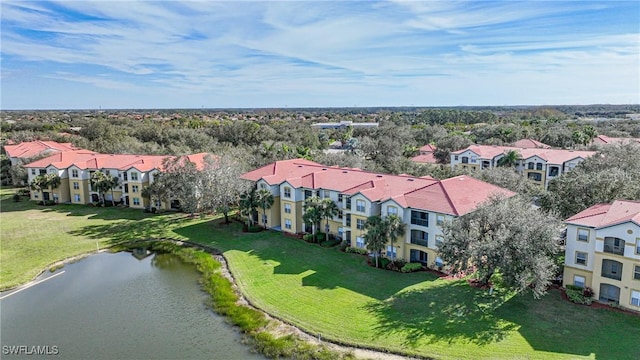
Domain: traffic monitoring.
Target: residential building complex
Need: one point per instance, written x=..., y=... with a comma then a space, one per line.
x=538, y=164
x=344, y=124
x=75, y=168
x=603, y=252
x=422, y=203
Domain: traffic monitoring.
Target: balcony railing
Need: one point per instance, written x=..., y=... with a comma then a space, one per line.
x=421, y=242
x=612, y=249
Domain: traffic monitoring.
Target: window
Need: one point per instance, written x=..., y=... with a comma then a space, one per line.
x=455, y=157
x=636, y=272
x=392, y=210
x=287, y=223
x=35, y=195
x=263, y=186
x=539, y=166
x=439, y=220
x=609, y=293
x=51, y=171
x=638, y=246
x=107, y=172
x=360, y=242
x=392, y=251
x=287, y=192
x=614, y=245
x=360, y=205
x=474, y=159
x=326, y=194
x=554, y=170
x=33, y=171
x=530, y=166
x=635, y=298
x=360, y=224
x=134, y=188
x=340, y=197
x=136, y=201
x=348, y=205
x=124, y=176
x=348, y=220
x=535, y=176
x=419, y=238
x=419, y=218
x=134, y=176
x=581, y=258
x=76, y=197
x=264, y=219
x=287, y=208
x=579, y=280
x=465, y=160
x=308, y=194
x=583, y=235
x=340, y=214
x=418, y=256
x=42, y=171
x=611, y=269
x=439, y=240
x=76, y=185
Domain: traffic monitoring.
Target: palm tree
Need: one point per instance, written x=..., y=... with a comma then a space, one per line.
x=102, y=183
x=53, y=181
x=312, y=213
x=510, y=159
x=265, y=201
x=249, y=204
x=329, y=209
x=374, y=238
x=115, y=181
x=393, y=228
x=39, y=183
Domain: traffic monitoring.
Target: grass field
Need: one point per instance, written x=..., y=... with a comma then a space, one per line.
x=334, y=294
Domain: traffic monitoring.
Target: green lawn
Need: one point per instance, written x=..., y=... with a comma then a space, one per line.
x=331, y=293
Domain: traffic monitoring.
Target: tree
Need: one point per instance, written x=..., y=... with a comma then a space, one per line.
x=102, y=183
x=611, y=174
x=374, y=238
x=312, y=213
x=248, y=204
x=509, y=179
x=113, y=183
x=46, y=181
x=506, y=235
x=393, y=227
x=221, y=184
x=155, y=189
x=329, y=210
x=510, y=159
x=265, y=201
x=53, y=181
x=185, y=181
x=446, y=145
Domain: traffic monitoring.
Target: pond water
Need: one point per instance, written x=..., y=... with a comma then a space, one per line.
x=115, y=306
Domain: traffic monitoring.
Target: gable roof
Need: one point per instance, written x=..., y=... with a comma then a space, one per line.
x=552, y=156
x=456, y=196
x=603, y=139
x=604, y=215
x=34, y=148
x=426, y=159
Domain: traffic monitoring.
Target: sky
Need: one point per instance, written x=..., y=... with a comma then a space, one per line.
x=291, y=54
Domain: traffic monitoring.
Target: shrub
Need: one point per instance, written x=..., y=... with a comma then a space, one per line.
x=382, y=262
x=320, y=236
x=307, y=237
x=24, y=192
x=355, y=250
x=344, y=245
x=330, y=243
x=587, y=292
x=254, y=228
x=16, y=198
x=575, y=295
x=411, y=267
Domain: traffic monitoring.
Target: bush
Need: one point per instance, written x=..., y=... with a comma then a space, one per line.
x=575, y=295
x=411, y=267
x=254, y=229
x=330, y=243
x=24, y=192
x=587, y=292
x=344, y=245
x=382, y=262
x=355, y=250
x=16, y=198
x=308, y=237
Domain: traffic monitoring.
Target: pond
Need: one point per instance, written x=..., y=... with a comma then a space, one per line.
x=117, y=306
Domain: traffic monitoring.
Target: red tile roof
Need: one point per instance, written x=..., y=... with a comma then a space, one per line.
x=85, y=159
x=34, y=148
x=530, y=144
x=604, y=215
x=426, y=159
x=552, y=156
x=428, y=148
x=456, y=196
x=603, y=139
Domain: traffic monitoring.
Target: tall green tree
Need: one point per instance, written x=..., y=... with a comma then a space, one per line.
x=510, y=159
x=265, y=201
x=329, y=210
x=39, y=183
x=393, y=227
x=248, y=204
x=505, y=235
x=313, y=213
x=375, y=238
x=102, y=183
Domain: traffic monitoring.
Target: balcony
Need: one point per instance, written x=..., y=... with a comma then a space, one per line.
x=614, y=246
x=611, y=269
x=421, y=242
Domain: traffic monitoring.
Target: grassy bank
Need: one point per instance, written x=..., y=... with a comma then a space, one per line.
x=334, y=294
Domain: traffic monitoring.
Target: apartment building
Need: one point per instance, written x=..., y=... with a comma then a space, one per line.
x=76, y=167
x=422, y=203
x=603, y=252
x=538, y=164
x=425, y=155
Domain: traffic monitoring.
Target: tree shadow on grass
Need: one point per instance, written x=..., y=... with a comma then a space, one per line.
x=449, y=311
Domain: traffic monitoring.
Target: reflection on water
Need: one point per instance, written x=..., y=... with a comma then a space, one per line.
x=117, y=306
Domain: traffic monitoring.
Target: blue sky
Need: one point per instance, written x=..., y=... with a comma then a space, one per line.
x=213, y=54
